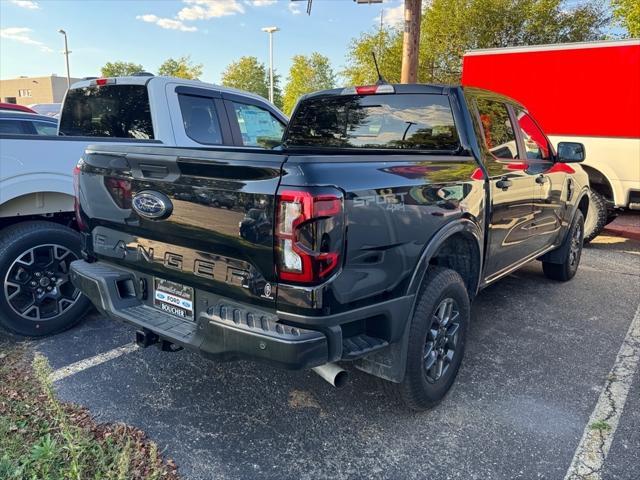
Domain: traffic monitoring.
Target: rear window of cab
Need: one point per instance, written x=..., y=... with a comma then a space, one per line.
x=398, y=121
x=120, y=111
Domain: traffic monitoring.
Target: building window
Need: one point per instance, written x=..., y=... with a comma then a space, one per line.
x=24, y=92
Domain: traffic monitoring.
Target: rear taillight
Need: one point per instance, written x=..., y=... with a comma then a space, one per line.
x=76, y=199
x=309, y=234
x=120, y=191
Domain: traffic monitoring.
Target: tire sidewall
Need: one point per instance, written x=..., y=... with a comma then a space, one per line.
x=15, y=246
x=428, y=393
x=578, y=221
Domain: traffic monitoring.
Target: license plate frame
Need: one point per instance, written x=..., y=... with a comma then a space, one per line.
x=173, y=298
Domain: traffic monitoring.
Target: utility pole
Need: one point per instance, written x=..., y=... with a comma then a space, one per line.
x=66, y=54
x=411, y=41
x=270, y=31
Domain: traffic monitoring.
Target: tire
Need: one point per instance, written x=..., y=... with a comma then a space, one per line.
x=567, y=269
x=421, y=387
x=597, y=216
x=36, y=296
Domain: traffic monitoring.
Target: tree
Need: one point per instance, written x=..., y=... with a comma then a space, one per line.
x=627, y=13
x=307, y=74
x=451, y=27
x=120, y=69
x=181, y=67
x=252, y=76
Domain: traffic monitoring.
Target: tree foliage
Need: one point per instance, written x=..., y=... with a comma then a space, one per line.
x=627, y=13
x=120, y=69
x=307, y=74
x=252, y=76
x=451, y=27
x=181, y=67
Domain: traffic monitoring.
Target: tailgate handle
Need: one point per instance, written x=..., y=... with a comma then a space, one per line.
x=153, y=171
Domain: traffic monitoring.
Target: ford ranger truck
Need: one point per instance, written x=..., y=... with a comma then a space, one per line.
x=362, y=239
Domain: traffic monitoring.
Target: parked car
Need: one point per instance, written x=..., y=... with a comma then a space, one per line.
x=13, y=107
x=48, y=109
x=391, y=206
x=21, y=123
x=37, y=227
x=608, y=128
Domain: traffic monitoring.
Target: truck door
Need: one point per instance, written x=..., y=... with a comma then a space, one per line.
x=512, y=189
x=552, y=184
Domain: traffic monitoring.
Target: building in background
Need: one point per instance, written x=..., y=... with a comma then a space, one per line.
x=30, y=90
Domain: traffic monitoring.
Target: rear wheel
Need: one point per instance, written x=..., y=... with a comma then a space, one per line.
x=37, y=297
x=437, y=338
x=597, y=216
x=567, y=269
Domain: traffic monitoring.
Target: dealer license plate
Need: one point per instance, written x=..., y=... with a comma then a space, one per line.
x=173, y=298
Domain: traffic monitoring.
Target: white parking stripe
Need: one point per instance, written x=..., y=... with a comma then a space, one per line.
x=593, y=449
x=74, y=368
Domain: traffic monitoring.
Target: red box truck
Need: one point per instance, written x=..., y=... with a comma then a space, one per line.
x=582, y=92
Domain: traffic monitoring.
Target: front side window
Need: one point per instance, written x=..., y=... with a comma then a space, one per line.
x=200, y=119
x=499, y=135
x=536, y=145
x=120, y=111
x=258, y=127
x=402, y=121
x=45, y=128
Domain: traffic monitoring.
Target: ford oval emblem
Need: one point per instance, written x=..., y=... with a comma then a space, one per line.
x=152, y=205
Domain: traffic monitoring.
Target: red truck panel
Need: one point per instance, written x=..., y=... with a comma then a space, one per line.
x=582, y=91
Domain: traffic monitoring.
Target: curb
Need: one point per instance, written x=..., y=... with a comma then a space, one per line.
x=631, y=233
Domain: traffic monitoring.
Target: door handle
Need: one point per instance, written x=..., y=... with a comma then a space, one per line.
x=504, y=183
x=541, y=179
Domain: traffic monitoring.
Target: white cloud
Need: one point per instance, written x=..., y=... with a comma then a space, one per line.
x=260, y=3
x=392, y=16
x=28, y=4
x=21, y=34
x=168, y=23
x=294, y=8
x=206, y=9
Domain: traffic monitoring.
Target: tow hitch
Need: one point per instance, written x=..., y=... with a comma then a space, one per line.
x=145, y=338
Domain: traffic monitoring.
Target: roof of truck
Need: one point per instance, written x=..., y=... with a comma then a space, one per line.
x=554, y=47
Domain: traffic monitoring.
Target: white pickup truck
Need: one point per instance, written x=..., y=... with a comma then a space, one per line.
x=37, y=223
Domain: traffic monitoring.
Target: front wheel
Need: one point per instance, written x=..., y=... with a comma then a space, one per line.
x=37, y=297
x=573, y=251
x=597, y=216
x=437, y=336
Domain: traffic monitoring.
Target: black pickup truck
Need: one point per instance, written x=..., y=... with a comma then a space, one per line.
x=363, y=238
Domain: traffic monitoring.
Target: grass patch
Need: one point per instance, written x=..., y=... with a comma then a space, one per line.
x=43, y=438
x=600, y=425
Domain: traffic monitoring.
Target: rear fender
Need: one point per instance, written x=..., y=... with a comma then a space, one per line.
x=390, y=363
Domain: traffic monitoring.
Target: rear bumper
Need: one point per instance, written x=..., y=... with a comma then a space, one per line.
x=224, y=331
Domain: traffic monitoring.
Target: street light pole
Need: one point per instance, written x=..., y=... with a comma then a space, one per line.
x=270, y=31
x=66, y=54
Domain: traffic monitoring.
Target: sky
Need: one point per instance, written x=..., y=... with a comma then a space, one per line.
x=213, y=32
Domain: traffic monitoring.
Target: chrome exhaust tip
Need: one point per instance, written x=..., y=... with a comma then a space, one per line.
x=333, y=374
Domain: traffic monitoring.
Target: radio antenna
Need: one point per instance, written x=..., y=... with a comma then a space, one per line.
x=381, y=80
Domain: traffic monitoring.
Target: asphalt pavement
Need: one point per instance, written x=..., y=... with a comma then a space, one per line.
x=538, y=355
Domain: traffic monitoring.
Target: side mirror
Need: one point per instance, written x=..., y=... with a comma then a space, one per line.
x=570, y=152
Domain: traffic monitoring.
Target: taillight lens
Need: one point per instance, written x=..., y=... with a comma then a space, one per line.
x=76, y=199
x=120, y=191
x=309, y=234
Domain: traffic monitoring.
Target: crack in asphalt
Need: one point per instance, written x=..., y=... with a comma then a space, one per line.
x=589, y=458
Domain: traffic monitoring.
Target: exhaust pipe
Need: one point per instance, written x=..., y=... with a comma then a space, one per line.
x=333, y=374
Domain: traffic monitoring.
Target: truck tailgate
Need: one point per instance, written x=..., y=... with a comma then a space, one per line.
x=199, y=218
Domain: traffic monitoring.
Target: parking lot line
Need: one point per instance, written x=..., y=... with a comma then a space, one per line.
x=76, y=367
x=593, y=449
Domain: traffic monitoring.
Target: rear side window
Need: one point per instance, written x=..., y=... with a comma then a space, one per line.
x=499, y=135
x=200, y=119
x=402, y=121
x=258, y=127
x=13, y=127
x=120, y=111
